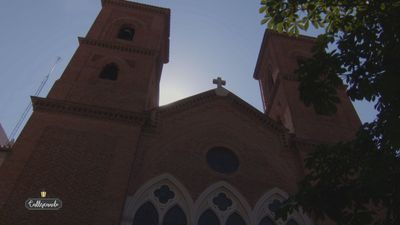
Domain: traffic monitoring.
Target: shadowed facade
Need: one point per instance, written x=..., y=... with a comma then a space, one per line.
x=102, y=144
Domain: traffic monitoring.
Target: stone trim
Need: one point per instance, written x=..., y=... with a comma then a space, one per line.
x=194, y=208
x=120, y=47
x=145, y=193
x=102, y=113
x=261, y=208
x=239, y=203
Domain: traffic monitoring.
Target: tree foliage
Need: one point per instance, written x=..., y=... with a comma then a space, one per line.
x=357, y=182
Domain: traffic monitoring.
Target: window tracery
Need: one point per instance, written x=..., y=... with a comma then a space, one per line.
x=267, y=206
x=224, y=203
x=169, y=198
x=167, y=202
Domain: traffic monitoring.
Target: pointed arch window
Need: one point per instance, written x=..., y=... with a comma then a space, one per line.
x=175, y=216
x=208, y=218
x=126, y=33
x=109, y=72
x=146, y=215
x=235, y=219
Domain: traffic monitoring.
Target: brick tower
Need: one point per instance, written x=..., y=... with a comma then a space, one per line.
x=79, y=143
x=275, y=69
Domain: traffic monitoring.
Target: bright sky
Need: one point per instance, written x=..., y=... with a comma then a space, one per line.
x=209, y=38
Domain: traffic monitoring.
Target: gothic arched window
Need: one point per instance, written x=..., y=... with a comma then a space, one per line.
x=126, y=33
x=109, y=72
x=175, y=216
x=146, y=215
x=235, y=219
x=266, y=221
x=208, y=218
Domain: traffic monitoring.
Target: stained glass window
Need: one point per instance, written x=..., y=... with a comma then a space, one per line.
x=235, y=219
x=208, y=218
x=146, y=215
x=175, y=216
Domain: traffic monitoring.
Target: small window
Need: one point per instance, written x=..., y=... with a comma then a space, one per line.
x=126, y=33
x=222, y=160
x=109, y=72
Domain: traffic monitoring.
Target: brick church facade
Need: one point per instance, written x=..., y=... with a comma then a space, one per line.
x=101, y=143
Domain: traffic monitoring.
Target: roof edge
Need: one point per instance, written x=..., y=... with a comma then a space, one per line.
x=210, y=94
x=269, y=34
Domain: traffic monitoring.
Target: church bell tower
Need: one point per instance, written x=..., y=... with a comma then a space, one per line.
x=119, y=62
x=275, y=71
x=80, y=142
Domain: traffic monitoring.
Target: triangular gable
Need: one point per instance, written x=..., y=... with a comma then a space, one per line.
x=237, y=102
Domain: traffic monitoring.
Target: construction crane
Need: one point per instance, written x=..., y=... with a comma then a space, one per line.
x=28, y=108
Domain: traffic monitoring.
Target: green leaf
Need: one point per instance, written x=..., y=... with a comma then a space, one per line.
x=262, y=9
x=279, y=27
x=270, y=23
x=315, y=23
x=383, y=6
x=296, y=30
x=306, y=23
x=264, y=20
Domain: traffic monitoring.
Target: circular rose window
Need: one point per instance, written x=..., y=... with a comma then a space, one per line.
x=222, y=160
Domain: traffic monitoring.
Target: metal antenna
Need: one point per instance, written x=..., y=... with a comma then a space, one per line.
x=29, y=106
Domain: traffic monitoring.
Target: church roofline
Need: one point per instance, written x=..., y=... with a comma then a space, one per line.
x=268, y=34
x=210, y=95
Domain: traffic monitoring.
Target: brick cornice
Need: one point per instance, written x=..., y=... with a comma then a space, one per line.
x=119, y=47
x=102, y=113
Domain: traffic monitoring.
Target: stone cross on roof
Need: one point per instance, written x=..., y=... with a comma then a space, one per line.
x=219, y=82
